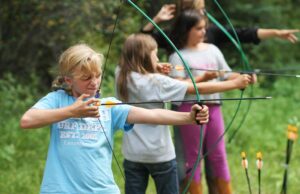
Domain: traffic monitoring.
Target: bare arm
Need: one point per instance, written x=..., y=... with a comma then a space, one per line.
x=236, y=75
x=166, y=13
x=233, y=76
x=167, y=117
x=36, y=118
x=285, y=34
x=239, y=82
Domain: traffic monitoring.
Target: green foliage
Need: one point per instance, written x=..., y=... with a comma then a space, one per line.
x=265, y=130
x=21, y=156
x=23, y=153
x=262, y=14
x=33, y=33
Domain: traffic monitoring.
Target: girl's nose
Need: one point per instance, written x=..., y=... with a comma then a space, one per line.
x=94, y=80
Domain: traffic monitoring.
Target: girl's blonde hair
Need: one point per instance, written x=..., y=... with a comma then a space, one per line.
x=192, y=4
x=78, y=56
x=135, y=57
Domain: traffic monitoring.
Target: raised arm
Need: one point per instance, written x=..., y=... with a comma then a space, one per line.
x=217, y=37
x=250, y=35
x=166, y=13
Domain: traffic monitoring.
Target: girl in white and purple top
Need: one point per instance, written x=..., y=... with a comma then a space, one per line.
x=188, y=34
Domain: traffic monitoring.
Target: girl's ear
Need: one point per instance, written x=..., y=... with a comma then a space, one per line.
x=68, y=81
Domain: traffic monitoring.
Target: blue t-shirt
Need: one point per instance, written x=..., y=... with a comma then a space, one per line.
x=79, y=157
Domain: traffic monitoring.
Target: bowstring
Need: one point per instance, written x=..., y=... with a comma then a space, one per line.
x=101, y=80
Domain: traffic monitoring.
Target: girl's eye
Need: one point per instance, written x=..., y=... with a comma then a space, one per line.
x=85, y=78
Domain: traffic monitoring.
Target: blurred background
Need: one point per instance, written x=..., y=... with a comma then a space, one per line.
x=33, y=33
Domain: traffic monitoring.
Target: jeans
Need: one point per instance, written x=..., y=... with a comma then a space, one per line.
x=164, y=175
x=181, y=170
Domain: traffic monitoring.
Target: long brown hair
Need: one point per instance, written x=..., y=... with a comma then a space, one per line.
x=135, y=57
x=183, y=24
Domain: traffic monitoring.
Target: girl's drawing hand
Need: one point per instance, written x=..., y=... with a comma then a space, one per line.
x=83, y=108
x=164, y=68
x=242, y=81
x=209, y=75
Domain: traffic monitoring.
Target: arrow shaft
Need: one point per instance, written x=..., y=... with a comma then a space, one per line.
x=195, y=101
x=256, y=71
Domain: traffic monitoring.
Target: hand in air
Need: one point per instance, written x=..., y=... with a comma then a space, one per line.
x=288, y=35
x=166, y=13
x=83, y=108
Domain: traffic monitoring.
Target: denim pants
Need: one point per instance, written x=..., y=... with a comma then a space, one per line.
x=164, y=175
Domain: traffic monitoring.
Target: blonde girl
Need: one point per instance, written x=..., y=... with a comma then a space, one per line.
x=79, y=155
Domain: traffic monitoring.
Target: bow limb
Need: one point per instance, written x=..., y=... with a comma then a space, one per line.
x=244, y=58
x=246, y=66
x=191, y=77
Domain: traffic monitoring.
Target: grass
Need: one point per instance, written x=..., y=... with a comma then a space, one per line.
x=23, y=154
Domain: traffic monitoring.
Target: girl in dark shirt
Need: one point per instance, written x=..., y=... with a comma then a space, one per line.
x=213, y=34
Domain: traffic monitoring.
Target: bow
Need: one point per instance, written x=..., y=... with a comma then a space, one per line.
x=246, y=66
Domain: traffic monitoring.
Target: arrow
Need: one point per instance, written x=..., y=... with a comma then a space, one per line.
x=245, y=166
x=255, y=71
x=111, y=103
x=259, y=164
x=291, y=135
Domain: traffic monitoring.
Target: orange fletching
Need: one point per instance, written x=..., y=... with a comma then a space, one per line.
x=179, y=68
x=109, y=104
x=98, y=103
